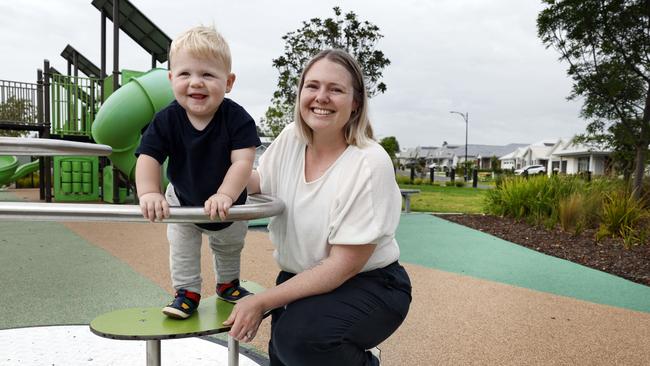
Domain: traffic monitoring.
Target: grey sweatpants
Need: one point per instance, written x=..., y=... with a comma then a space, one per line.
x=185, y=250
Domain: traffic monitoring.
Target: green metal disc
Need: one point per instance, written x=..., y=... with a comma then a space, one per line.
x=151, y=323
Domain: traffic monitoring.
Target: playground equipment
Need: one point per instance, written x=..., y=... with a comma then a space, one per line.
x=10, y=171
x=136, y=323
x=126, y=112
x=148, y=323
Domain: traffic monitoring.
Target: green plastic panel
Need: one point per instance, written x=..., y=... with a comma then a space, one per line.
x=76, y=178
x=151, y=323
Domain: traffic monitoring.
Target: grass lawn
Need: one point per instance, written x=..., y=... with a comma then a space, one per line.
x=446, y=199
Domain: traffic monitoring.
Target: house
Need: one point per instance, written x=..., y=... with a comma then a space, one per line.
x=482, y=154
x=539, y=152
x=560, y=155
x=452, y=156
x=569, y=157
x=512, y=160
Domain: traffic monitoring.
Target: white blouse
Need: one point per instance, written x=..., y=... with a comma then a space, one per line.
x=356, y=201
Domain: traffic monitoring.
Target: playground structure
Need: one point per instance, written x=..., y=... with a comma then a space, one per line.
x=146, y=324
x=68, y=106
x=81, y=120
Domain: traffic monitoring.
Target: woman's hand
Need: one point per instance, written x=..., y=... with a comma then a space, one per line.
x=245, y=318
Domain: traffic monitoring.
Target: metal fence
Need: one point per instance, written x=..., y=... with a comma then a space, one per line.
x=19, y=103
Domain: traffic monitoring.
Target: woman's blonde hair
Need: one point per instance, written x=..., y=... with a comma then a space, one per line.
x=202, y=41
x=357, y=130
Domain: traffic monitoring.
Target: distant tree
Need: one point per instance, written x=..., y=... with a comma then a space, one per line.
x=607, y=46
x=16, y=110
x=344, y=31
x=391, y=145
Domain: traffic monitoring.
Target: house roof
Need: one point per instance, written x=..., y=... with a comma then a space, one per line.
x=572, y=149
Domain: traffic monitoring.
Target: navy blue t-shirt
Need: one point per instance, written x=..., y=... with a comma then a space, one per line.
x=198, y=160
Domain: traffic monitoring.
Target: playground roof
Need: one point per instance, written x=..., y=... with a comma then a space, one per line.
x=81, y=62
x=137, y=26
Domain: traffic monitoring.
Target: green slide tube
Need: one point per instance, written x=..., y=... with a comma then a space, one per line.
x=10, y=171
x=121, y=118
x=8, y=165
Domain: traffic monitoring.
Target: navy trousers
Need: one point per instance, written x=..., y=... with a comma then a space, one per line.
x=338, y=327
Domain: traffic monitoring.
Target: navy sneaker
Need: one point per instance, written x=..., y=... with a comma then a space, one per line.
x=231, y=291
x=184, y=304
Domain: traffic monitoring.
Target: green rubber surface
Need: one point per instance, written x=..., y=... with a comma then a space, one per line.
x=150, y=323
x=51, y=276
x=437, y=243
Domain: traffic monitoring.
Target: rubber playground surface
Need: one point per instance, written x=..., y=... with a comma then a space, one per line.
x=477, y=300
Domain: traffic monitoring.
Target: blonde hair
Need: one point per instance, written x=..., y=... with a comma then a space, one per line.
x=202, y=41
x=358, y=130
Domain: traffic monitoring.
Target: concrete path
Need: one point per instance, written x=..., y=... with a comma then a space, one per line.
x=477, y=300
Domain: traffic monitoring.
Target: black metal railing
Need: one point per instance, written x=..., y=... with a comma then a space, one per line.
x=19, y=103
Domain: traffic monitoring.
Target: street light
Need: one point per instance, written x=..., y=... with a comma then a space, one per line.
x=465, y=117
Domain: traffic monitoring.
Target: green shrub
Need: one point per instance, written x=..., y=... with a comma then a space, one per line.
x=535, y=199
x=571, y=213
x=449, y=183
x=418, y=181
x=622, y=216
x=459, y=183
x=402, y=179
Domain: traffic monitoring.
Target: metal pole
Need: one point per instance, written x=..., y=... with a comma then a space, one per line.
x=41, y=133
x=102, y=71
x=153, y=352
x=116, y=44
x=466, y=165
x=233, y=351
x=47, y=173
x=260, y=206
x=465, y=118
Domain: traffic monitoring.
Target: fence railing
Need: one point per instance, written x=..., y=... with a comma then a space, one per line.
x=75, y=101
x=19, y=103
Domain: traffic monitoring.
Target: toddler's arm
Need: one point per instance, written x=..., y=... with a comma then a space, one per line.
x=233, y=184
x=147, y=181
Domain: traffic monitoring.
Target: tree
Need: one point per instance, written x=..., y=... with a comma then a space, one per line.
x=391, y=145
x=16, y=110
x=606, y=44
x=344, y=31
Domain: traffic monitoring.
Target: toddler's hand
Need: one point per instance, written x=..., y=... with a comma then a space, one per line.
x=154, y=206
x=218, y=203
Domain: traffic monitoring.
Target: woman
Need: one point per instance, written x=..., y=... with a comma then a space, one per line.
x=341, y=290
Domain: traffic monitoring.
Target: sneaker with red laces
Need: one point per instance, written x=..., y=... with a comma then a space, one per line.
x=183, y=305
x=231, y=291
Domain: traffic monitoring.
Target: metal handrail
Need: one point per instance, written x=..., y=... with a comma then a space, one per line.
x=261, y=206
x=49, y=147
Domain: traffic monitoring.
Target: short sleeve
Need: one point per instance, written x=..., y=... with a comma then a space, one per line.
x=368, y=204
x=155, y=141
x=243, y=132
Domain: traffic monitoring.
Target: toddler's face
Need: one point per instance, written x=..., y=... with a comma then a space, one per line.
x=199, y=85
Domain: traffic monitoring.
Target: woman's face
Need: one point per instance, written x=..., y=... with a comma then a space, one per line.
x=327, y=97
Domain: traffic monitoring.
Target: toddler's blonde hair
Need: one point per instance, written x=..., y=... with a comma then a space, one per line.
x=202, y=41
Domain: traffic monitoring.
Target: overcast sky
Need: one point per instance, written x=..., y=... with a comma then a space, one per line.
x=476, y=56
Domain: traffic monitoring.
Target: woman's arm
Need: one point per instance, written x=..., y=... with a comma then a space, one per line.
x=253, y=185
x=344, y=262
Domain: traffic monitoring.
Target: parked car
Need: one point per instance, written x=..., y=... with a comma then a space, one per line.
x=531, y=170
